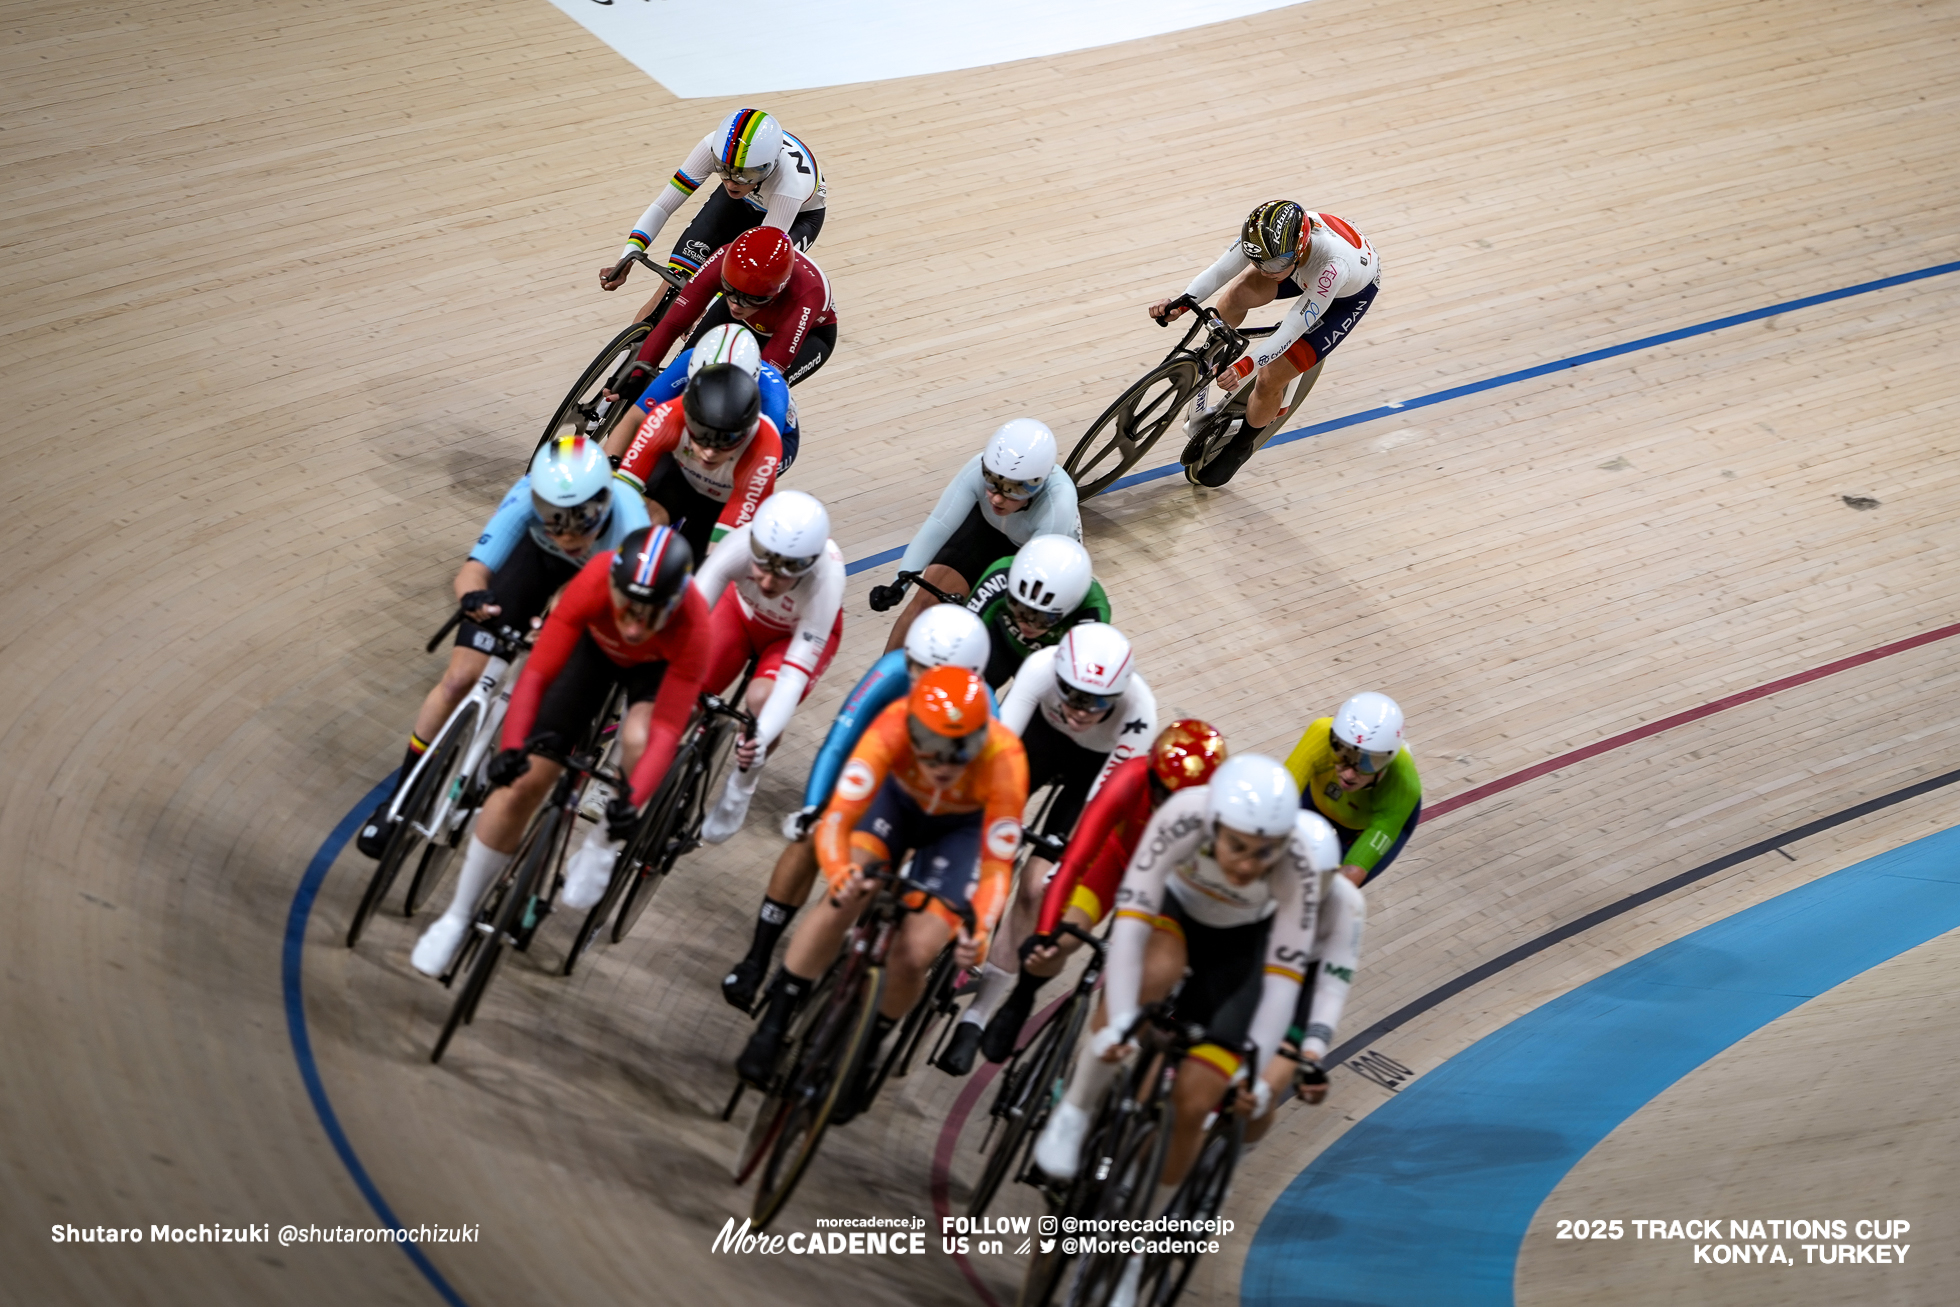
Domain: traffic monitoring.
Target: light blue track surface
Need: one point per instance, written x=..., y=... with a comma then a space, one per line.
x=1427, y=1200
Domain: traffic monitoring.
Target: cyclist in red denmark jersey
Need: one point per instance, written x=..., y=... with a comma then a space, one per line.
x=767, y=285
x=631, y=619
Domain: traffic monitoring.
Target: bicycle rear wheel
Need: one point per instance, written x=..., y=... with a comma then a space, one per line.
x=585, y=411
x=506, y=918
x=813, y=1092
x=1028, y=1091
x=656, y=845
x=770, y=1117
x=1136, y=1160
x=1129, y=427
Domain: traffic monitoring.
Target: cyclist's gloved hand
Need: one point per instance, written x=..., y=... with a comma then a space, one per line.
x=886, y=596
x=1262, y=1096
x=1310, y=1081
x=621, y=817
x=479, y=604
x=802, y=820
x=1107, y=1043
x=507, y=766
x=1035, y=943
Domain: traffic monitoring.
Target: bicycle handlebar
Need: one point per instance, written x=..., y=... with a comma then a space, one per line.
x=903, y=885
x=661, y=271
x=1050, y=847
x=914, y=578
x=510, y=640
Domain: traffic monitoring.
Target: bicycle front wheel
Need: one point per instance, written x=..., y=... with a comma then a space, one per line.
x=813, y=1093
x=1028, y=1091
x=585, y=410
x=1129, y=427
x=505, y=925
x=1199, y=1198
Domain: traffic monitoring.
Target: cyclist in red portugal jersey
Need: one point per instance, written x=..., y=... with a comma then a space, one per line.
x=937, y=777
x=630, y=619
x=706, y=461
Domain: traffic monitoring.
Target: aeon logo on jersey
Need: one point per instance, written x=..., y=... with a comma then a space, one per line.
x=1328, y=276
x=1004, y=837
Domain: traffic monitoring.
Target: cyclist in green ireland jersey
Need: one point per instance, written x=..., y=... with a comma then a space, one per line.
x=1030, y=599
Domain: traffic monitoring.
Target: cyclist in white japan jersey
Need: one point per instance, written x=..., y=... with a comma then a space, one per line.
x=769, y=179
x=785, y=610
x=1283, y=252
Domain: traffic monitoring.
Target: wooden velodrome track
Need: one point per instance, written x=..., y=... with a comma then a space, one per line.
x=290, y=288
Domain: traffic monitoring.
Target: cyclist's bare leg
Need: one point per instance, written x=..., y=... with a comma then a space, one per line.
x=633, y=730
x=943, y=577
x=465, y=666
x=795, y=873
x=508, y=810
x=1199, y=1088
x=822, y=930
x=1269, y=392
x=1006, y=950
x=623, y=431
x=919, y=941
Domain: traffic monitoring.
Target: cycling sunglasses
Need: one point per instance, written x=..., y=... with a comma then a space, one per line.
x=709, y=438
x=745, y=176
x=1007, y=488
x=1083, y=701
x=578, y=519
x=1365, y=761
x=1034, y=617
x=932, y=747
x=734, y=296
x=780, y=564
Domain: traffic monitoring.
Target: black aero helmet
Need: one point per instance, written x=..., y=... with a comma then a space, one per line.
x=1272, y=231
x=652, y=566
x=721, y=405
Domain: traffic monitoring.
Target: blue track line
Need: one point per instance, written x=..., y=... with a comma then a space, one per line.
x=1429, y=1197
x=292, y=959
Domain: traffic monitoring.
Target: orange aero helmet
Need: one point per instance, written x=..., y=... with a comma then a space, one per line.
x=948, y=714
x=1185, y=753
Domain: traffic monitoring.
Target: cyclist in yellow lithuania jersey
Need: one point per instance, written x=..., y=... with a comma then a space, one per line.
x=1356, y=772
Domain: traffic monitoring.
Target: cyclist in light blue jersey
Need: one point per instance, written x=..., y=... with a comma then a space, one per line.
x=559, y=515
x=945, y=634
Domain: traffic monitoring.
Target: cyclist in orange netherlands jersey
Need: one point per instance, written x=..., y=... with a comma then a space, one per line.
x=936, y=777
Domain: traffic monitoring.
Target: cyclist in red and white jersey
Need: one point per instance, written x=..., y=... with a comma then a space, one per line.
x=784, y=607
x=706, y=461
x=769, y=179
x=769, y=286
x=1284, y=251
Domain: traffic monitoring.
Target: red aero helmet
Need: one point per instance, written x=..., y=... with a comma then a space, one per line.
x=759, y=263
x=1186, y=752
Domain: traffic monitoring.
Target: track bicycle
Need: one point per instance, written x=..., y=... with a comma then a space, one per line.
x=611, y=384
x=1123, y=1154
x=906, y=579
x=670, y=827
x=434, y=804
x=1032, y=1081
x=1117, y=440
x=522, y=897
x=824, y=1063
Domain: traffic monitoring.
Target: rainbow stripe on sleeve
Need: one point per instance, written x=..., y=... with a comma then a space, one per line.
x=683, y=183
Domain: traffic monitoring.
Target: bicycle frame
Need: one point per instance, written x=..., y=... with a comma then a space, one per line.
x=491, y=693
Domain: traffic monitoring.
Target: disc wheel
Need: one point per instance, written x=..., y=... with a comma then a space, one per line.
x=1129, y=427
x=585, y=410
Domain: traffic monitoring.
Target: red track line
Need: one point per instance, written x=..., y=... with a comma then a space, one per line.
x=1515, y=779
x=942, y=1158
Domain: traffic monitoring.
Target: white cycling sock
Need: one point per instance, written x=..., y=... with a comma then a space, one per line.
x=995, y=986
x=1092, y=1076
x=481, y=866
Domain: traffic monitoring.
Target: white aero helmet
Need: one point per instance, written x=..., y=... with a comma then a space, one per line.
x=570, y=478
x=729, y=343
x=947, y=634
x=1369, y=722
x=789, y=533
x=1253, y=794
x=1094, y=658
x=747, y=145
x=1020, y=451
x=1050, y=574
